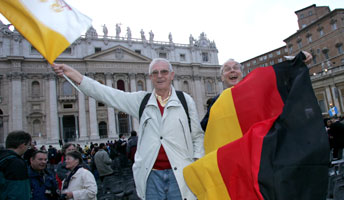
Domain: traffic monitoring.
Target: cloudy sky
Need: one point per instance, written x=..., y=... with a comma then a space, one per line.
x=241, y=29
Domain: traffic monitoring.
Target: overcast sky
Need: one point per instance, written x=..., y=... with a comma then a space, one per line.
x=241, y=29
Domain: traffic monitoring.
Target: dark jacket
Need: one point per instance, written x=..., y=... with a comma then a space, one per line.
x=43, y=185
x=14, y=179
x=205, y=119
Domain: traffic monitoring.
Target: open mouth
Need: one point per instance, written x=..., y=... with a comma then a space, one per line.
x=233, y=77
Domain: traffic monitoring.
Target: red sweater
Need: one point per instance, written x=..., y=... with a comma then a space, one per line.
x=161, y=161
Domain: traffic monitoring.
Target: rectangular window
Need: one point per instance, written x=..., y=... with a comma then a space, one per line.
x=138, y=51
x=272, y=62
x=265, y=57
x=205, y=57
x=254, y=62
x=280, y=60
x=310, y=13
x=260, y=58
x=321, y=32
x=290, y=50
x=322, y=106
x=182, y=57
x=309, y=38
x=334, y=26
x=67, y=106
x=314, y=59
x=97, y=49
x=340, y=49
x=299, y=44
x=162, y=55
x=271, y=55
x=326, y=55
x=278, y=52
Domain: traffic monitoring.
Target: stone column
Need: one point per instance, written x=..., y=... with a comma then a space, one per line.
x=135, y=122
x=82, y=117
x=77, y=133
x=176, y=83
x=148, y=84
x=16, y=117
x=53, y=132
x=112, y=133
x=198, y=95
x=61, y=128
x=219, y=85
x=93, y=116
x=336, y=98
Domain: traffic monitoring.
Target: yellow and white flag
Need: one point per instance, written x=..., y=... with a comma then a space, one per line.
x=49, y=25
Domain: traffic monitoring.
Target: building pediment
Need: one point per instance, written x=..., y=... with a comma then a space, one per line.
x=117, y=53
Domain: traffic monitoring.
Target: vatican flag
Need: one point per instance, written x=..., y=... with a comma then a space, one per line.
x=49, y=25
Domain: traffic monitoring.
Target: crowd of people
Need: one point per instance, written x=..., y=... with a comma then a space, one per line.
x=30, y=172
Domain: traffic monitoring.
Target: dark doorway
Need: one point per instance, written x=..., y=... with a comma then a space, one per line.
x=68, y=122
x=102, y=130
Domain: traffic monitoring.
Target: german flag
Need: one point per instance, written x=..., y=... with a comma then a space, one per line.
x=265, y=139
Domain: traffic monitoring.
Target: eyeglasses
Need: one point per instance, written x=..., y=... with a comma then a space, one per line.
x=235, y=68
x=163, y=72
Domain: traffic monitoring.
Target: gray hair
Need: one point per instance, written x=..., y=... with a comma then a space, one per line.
x=157, y=60
x=229, y=60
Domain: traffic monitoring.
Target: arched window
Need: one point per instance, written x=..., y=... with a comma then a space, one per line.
x=139, y=85
x=120, y=85
x=36, y=127
x=186, y=86
x=35, y=89
x=67, y=89
x=102, y=129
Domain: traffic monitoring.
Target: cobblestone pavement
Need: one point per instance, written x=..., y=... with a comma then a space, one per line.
x=119, y=186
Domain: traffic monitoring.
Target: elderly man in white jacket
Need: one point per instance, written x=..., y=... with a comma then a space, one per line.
x=166, y=143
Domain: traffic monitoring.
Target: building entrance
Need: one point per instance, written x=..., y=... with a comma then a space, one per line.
x=69, y=129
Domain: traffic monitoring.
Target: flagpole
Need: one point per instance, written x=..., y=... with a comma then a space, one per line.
x=71, y=82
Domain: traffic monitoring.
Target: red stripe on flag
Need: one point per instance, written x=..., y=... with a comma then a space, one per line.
x=266, y=103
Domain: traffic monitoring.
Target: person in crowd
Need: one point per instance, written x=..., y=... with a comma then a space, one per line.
x=52, y=155
x=335, y=131
x=43, y=183
x=28, y=154
x=14, y=179
x=231, y=74
x=103, y=162
x=80, y=183
x=61, y=170
x=93, y=164
x=132, y=146
x=121, y=148
x=167, y=141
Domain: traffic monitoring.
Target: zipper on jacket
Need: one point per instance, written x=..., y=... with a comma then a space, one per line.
x=143, y=129
x=186, y=142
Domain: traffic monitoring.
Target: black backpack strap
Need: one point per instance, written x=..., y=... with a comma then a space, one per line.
x=143, y=104
x=182, y=99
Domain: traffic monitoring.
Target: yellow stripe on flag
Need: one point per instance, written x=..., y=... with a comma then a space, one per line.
x=206, y=184
x=53, y=36
x=223, y=125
